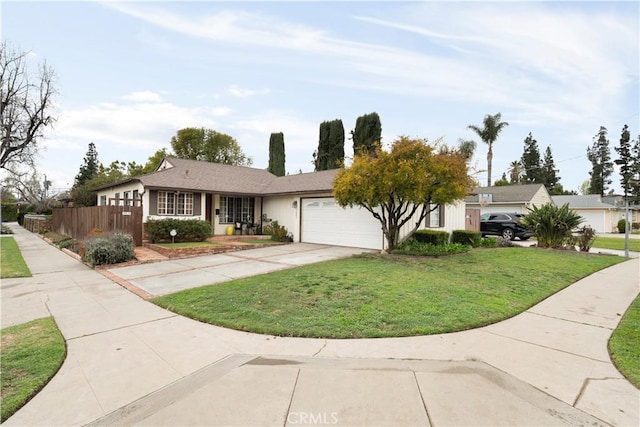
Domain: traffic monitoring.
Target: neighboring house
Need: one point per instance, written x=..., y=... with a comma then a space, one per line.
x=508, y=198
x=225, y=195
x=599, y=215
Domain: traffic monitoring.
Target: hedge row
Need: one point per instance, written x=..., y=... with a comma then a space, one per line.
x=438, y=237
x=187, y=230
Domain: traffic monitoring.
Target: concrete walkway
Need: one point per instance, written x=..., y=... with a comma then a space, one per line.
x=176, y=275
x=130, y=362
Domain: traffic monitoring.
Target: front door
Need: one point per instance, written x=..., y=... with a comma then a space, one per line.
x=207, y=209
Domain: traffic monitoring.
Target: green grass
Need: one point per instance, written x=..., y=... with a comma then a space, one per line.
x=385, y=295
x=11, y=262
x=624, y=344
x=616, y=243
x=30, y=355
x=186, y=245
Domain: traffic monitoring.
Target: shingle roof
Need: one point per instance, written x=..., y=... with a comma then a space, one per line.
x=506, y=193
x=593, y=201
x=206, y=176
x=302, y=183
x=229, y=179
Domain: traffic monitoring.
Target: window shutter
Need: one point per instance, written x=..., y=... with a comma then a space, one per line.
x=153, y=202
x=427, y=219
x=197, y=207
x=441, y=215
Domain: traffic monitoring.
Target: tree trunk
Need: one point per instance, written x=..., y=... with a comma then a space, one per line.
x=489, y=160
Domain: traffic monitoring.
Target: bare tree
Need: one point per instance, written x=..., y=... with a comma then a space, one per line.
x=32, y=188
x=25, y=106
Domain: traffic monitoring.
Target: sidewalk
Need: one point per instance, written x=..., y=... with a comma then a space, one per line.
x=547, y=366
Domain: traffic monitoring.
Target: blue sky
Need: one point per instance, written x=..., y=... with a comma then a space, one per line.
x=129, y=75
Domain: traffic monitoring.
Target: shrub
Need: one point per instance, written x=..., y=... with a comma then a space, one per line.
x=8, y=212
x=278, y=232
x=488, y=242
x=635, y=225
x=622, y=225
x=435, y=237
x=466, y=237
x=413, y=247
x=6, y=230
x=109, y=250
x=553, y=225
x=188, y=230
x=584, y=239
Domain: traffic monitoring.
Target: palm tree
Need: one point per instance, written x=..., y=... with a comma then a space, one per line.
x=467, y=147
x=515, y=171
x=489, y=134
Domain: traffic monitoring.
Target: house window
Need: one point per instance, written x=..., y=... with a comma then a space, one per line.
x=135, y=197
x=166, y=203
x=435, y=218
x=234, y=209
x=170, y=203
x=103, y=200
x=117, y=199
x=185, y=204
x=127, y=196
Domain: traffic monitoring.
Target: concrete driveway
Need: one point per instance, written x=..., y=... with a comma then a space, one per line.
x=166, y=277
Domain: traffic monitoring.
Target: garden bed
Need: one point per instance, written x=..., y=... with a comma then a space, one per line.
x=212, y=246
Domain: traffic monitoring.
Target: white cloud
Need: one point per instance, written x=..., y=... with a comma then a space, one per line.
x=143, y=96
x=233, y=26
x=245, y=93
x=515, y=56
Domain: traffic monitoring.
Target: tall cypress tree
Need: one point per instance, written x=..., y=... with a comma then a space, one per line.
x=634, y=190
x=624, y=160
x=276, y=154
x=367, y=133
x=550, y=177
x=322, y=153
x=599, y=155
x=330, y=153
x=336, y=138
x=532, y=172
x=90, y=167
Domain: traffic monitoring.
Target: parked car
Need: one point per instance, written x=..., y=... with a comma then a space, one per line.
x=504, y=224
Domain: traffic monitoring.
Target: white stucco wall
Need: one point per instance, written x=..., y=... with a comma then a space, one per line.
x=111, y=193
x=454, y=219
x=540, y=198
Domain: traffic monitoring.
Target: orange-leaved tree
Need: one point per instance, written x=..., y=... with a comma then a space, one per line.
x=413, y=177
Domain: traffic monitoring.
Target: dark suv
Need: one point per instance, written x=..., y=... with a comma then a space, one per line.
x=504, y=224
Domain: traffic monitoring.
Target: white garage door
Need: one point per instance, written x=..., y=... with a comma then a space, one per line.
x=593, y=219
x=325, y=222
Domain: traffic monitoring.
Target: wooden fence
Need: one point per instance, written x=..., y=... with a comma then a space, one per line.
x=472, y=219
x=78, y=222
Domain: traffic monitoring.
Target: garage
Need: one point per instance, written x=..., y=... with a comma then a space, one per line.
x=594, y=219
x=323, y=221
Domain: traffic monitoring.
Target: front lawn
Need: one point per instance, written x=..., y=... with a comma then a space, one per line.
x=30, y=355
x=616, y=243
x=385, y=296
x=624, y=344
x=11, y=262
